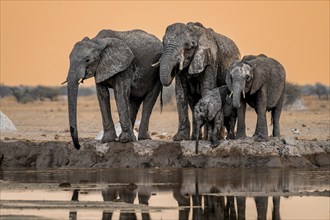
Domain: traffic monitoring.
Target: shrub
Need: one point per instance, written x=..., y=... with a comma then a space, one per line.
x=322, y=90
x=24, y=94
x=5, y=91
x=292, y=93
x=43, y=92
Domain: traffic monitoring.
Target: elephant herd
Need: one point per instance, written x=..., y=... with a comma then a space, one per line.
x=210, y=78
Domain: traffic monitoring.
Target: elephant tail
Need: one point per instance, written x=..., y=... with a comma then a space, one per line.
x=161, y=99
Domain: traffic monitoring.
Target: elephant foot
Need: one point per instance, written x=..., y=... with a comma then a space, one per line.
x=181, y=135
x=145, y=136
x=240, y=135
x=230, y=136
x=261, y=138
x=125, y=137
x=108, y=136
x=215, y=143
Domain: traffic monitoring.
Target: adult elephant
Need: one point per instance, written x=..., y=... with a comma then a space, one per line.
x=260, y=81
x=122, y=61
x=198, y=58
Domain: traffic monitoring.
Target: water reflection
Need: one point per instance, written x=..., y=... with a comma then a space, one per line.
x=198, y=193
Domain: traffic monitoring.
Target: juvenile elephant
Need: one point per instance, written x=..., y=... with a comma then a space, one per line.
x=122, y=61
x=229, y=112
x=209, y=111
x=198, y=58
x=215, y=110
x=261, y=81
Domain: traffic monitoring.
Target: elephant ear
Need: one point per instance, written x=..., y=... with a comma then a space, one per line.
x=115, y=58
x=214, y=105
x=260, y=74
x=200, y=60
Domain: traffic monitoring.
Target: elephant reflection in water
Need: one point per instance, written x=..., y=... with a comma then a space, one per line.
x=215, y=207
x=223, y=207
x=126, y=194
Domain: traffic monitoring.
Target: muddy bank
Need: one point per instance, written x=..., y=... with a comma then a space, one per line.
x=151, y=153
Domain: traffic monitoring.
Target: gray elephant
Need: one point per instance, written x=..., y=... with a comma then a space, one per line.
x=216, y=111
x=198, y=58
x=208, y=111
x=122, y=61
x=229, y=112
x=260, y=81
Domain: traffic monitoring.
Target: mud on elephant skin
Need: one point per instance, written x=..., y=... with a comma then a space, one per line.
x=215, y=111
x=122, y=61
x=208, y=112
x=260, y=82
x=198, y=58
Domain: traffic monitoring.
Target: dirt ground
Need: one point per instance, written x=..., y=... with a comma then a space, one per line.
x=43, y=140
x=48, y=120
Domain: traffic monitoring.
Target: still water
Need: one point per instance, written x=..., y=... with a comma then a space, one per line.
x=165, y=194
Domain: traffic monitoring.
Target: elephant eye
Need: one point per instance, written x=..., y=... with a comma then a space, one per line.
x=87, y=60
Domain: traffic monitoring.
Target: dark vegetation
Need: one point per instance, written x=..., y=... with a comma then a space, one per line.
x=24, y=94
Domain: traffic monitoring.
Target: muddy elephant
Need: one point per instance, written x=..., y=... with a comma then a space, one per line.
x=229, y=112
x=216, y=111
x=208, y=111
x=198, y=58
x=122, y=61
x=260, y=82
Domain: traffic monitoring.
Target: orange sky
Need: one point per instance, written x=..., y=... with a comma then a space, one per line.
x=37, y=36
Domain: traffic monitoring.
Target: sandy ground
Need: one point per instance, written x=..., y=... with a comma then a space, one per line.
x=48, y=120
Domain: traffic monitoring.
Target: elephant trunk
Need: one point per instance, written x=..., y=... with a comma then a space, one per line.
x=237, y=96
x=197, y=140
x=198, y=128
x=72, y=107
x=168, y=62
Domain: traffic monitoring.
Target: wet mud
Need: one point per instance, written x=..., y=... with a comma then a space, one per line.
x=276, y=153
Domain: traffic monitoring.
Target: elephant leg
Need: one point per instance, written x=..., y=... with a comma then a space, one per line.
x=183, y=203
x=122, y=92
x=276, y=208
x=207, y=132
x=134, y=108
x=183, y=132
x=144, y=199
x=148, y=105
x=276, y=114
x=262, y=206
x=222, y=132
x=226, y=124
x=241, y=207
x=217, y=124
x=261, y=128
x=231, y=127
x=241, y=130
x=103, y=97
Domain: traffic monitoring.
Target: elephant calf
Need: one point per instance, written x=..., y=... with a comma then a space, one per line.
x=215, y=110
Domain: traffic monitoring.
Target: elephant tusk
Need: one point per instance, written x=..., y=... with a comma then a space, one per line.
x=243, y=94
x=81, y=81
x=231, y=94
x=64, y=82
x=181, y=65
x=155, y=64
